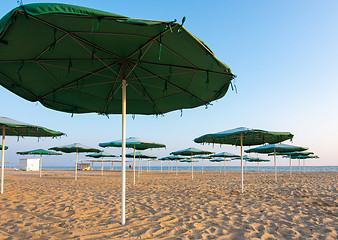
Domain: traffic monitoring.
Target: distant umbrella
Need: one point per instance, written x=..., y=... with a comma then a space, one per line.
x=39, y=152
x=225, y=155
x=140, y=156
x=243, y=136
x=191, y=152
x=303, y=157
x=171, y=158
x=12, y=127
x=220, y=160
x=136, y=144
x=101, y=155
x=273, y=148
x=202, y=157
x=77, y=148
x=257, y=160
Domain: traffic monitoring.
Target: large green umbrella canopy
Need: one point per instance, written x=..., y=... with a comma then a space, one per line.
x=191, y=152
x=101, y=155
x=273, y=148
x=136, y=144
x=243, y=136
x=12, y=127
x=75, y=148
x=39, y=152
x=80, y=60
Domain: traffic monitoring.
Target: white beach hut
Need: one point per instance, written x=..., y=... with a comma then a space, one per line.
x=29, y=164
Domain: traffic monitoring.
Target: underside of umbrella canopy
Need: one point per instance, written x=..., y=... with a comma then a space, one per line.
x=280, y=147
x=133, y=142
x=190, y=152
x=16, y=128
x=73, y=59
x=76, y=147
x=250, y=137
x=139, y=155
x=38, y=152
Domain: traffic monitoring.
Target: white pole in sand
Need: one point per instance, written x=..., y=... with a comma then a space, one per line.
x=176, y=167
x=225, y=173
x=168, y=167
x=258, y=166
x=274, y=151
x=202, y=165
x=299, y=165
x=3, y=160
x=76, y=164
x=102, y=167
x=123, y=185
x=290, y=167
x=192, y=167
x=40, y=164
x=134, y=167
x=138, y=170
x=245, y=166
x=161, y=166
x=304, y=165
x=242, y=163
x=148, y=165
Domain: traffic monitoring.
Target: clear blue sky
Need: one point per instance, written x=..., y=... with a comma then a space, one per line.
x=285, y=54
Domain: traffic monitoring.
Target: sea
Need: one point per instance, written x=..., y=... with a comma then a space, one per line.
x=217, y=168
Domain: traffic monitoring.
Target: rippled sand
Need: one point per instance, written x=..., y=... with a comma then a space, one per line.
x=166, y=206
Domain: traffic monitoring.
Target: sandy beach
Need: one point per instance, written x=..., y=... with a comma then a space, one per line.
x=166, y=206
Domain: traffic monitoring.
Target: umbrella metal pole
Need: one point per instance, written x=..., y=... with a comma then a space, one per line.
x=202, y=165
x=242, y=162
x=3, y=160
x=290, y=168
x=299, y=165
x=138, y=170
x=258, y=166
x=141, y=164
x=225, y=171
x=112, y=166
x=102, y=167
x=92, y=166
x=168, y=167
x=176, y=167
x=148, y=165
x=161, y=166
x=134, y=167
x=76, y=164
x=275, y=165
x=304, y=165
x=220, y=167
x=123, y=185
x=192, y=167
x=40, y=164
x=245, y=166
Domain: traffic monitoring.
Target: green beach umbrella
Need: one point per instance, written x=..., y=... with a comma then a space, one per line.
x=39, y=152
x=289, y=154
x=257, y=160
x=80, y=60
x=170, y=159
x=220, y=160
x=12, y=127
x=100, y=155
x=299, y=157
x=243, y=136
x=191, y=152
x=203, y=157
x=224, y=155
x=136, y=144
x=140, y=156
x=75, y=148
x=273, y=148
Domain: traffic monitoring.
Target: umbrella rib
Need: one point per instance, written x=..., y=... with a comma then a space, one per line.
x=174, y=85
x=11, y=81
x=72, y=35
x=51, y=75
x=146, y=92
x=47, y=48
x=111, y=95
x=77, y=80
